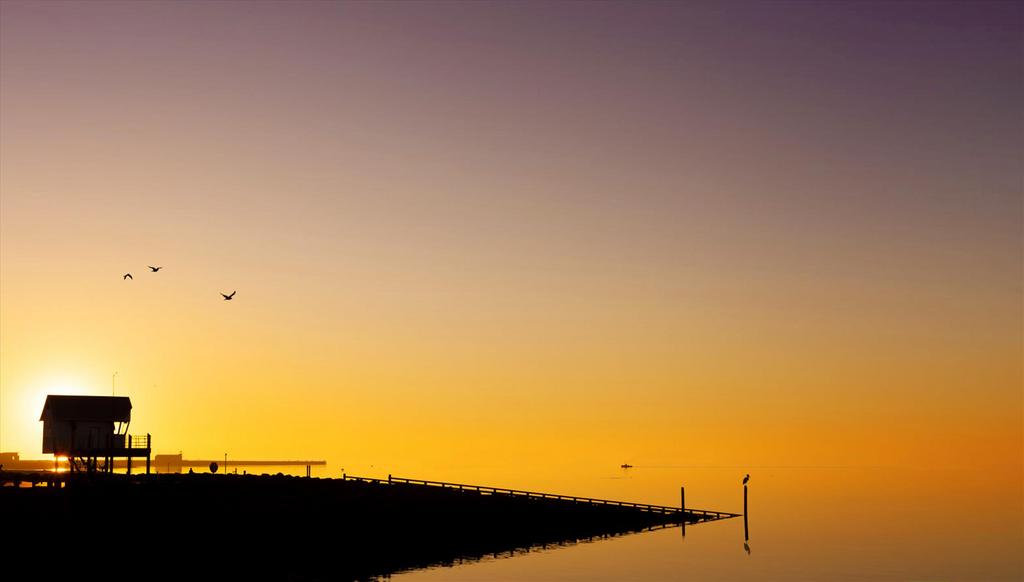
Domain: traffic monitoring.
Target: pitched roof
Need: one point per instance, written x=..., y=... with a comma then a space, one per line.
x=101, y=408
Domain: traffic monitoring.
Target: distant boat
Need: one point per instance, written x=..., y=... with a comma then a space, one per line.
x=626, y=466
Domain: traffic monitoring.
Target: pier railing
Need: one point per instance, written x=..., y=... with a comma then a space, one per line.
x=701, y=514
x=139, y=441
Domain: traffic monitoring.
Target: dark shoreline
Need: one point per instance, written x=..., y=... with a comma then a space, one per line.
x=296, y=528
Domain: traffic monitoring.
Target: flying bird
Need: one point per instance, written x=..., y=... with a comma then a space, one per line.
x=745, y=479
x=154, y=269
x=128, y=276
x=228, y=297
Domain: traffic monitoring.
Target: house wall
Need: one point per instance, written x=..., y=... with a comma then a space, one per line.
x=62, y=437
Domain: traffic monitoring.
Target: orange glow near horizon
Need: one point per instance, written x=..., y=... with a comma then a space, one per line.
x=58, y=469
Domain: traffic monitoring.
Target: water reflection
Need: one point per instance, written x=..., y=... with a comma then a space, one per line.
x=815, y=524
x=472, y=557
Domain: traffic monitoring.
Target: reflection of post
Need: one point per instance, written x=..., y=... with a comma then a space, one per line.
x=746, y=531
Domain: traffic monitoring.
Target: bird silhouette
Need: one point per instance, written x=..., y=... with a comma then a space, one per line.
x=154, y=269
x=745, y=479
x=228, y=297
x=128, y=276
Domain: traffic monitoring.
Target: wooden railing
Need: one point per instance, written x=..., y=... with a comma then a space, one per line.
x=139, y=441
x=484, y=490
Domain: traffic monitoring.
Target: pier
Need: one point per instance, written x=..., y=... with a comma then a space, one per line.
x=344, y=528
x=691, y=515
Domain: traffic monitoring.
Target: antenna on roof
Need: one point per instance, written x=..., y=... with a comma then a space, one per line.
x=112, y=379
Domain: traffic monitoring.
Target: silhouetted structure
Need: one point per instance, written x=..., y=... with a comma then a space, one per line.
x=746, y=530
x=297, y=528
x=176, y=463
x=88, y=428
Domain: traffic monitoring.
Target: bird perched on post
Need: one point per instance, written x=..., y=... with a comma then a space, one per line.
x=127, y=276
x=745, y=479
x=154, y=269
x=228, y=297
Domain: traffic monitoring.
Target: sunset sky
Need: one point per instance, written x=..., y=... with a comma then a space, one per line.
x=472, y=235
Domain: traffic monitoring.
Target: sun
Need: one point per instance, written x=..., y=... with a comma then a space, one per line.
x=38, y=396
x=23, y=408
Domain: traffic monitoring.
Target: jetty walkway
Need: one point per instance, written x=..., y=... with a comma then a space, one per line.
x=689, y=514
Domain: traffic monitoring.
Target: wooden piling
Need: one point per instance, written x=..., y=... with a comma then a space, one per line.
x=682, y=508
x=746, y=530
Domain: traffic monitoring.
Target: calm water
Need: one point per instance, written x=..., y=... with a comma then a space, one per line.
x=805, y=524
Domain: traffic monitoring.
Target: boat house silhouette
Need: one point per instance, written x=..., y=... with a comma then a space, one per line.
x=88, y=428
